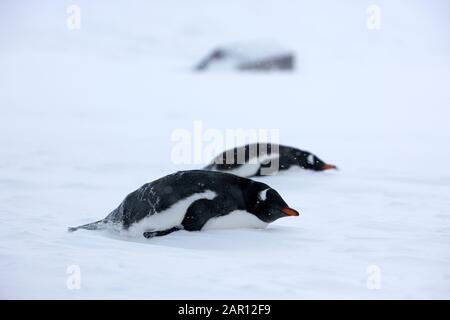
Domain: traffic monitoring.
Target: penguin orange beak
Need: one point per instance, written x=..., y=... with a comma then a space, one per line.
x=290, y=212
x=328, y=167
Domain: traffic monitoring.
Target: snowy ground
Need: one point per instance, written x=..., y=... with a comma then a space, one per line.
x=86, y=117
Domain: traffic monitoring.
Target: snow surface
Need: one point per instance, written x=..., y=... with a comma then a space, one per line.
x=87, y=116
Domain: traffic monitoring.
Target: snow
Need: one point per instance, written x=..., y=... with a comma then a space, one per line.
x=87, y=115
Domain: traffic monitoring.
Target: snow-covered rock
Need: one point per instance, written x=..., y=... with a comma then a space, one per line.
x=249, y=56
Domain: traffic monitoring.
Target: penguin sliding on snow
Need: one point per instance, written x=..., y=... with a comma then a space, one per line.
x=195, y=200
x=261, y=159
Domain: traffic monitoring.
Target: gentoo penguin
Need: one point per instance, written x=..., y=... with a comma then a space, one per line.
x=260, y=159
x=195, y=200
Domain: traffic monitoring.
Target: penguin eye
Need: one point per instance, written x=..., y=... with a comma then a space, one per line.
x=310, y=159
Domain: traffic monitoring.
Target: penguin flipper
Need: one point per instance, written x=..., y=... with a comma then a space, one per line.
x=200, y=211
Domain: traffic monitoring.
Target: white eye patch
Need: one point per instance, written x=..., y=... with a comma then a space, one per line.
x=263, y=194
x=310, y=159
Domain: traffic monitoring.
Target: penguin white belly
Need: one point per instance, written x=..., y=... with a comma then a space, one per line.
x=253, y=165
x=246, y=170
x=235, y=220
x=166, y=219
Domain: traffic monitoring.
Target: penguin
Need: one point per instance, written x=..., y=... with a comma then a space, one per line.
x=261, y=159
x=194, y=200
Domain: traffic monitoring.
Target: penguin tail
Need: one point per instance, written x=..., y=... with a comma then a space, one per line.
x=98, y=225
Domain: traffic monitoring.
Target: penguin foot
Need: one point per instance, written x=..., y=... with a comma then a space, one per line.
x=151, y=234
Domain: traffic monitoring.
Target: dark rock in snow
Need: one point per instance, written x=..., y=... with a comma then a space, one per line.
x=248, y=57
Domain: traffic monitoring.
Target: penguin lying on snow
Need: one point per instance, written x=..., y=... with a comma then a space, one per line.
x=195, y=200
x=260, y=159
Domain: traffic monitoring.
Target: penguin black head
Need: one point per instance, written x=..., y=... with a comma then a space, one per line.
x=267, y=204
x=309, y=161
